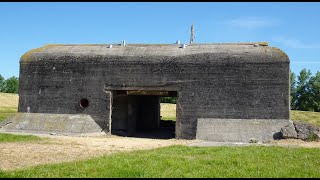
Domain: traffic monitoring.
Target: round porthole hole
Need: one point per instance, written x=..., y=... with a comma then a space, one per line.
x=84, y=103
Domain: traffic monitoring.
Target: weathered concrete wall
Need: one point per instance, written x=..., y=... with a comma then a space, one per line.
x=239, y=130
x=212, y=81
x=65, y=124
x=120, y=115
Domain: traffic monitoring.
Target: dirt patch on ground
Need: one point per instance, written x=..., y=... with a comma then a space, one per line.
x=57, y=149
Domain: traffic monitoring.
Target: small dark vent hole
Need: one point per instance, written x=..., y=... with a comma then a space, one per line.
x=84, y=103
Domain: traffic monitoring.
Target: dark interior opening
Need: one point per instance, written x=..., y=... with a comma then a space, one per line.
x=137, y=114
x=84, y=103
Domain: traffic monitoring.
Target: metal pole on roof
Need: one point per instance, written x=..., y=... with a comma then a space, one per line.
x=192, y=34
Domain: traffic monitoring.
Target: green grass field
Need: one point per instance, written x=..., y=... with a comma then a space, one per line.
x=183, y=161
x=6, y=137
x=8, y=107
x=5, y=112
x=307, y=116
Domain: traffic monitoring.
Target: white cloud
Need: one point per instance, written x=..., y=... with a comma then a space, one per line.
x=294, y=43
x=251, y=22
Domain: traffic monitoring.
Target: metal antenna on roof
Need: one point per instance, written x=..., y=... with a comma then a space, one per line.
x=192, y=34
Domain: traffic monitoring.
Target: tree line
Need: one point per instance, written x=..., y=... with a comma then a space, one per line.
x=305, y=91
x=10, y=85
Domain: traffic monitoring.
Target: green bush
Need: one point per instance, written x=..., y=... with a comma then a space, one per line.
x=172, y=100
x=312, y=137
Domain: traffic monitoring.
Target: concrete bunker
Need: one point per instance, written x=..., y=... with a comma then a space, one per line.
x=137, y=113
x=226, y=91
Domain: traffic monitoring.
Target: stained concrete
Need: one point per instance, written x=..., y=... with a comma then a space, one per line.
x=240, y=130
x=64, y=124
x=224, y=81
x=214, y=143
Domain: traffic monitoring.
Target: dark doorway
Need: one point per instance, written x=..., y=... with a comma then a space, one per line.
x=137, y=114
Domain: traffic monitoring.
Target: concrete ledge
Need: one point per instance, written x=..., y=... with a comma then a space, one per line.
x=239, y=130
x=212, y=143
x=42, y=123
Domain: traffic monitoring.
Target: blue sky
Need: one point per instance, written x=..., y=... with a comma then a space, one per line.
x=293, y=27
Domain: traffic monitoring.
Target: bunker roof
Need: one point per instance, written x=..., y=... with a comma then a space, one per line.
x=54, y=51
